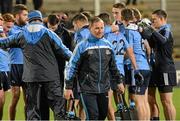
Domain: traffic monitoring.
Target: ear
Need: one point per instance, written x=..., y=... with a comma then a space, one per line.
x=17, y=16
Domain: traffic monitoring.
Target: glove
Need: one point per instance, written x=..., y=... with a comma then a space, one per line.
x=139, y=79
x=144, y=22
x=145, y=28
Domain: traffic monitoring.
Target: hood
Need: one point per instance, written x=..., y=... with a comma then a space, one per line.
x=33, y=32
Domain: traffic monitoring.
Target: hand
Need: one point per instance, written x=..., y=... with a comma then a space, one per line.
x=144, y=22
x=68, y=94
x=120, y=88
x=139, y=79
x=145, y=28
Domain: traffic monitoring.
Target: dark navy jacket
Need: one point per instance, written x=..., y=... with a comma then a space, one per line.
x=93, y=61
x=39, y=46
x=163, y=48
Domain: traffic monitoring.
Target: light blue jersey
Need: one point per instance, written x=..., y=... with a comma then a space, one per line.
x=135, y=41
x=120, y=45
x=16, y=55
x=4, y=60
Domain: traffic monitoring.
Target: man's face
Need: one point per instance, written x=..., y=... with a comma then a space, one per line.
x=52, y=27
x=22, y=17
x=157, y=22
x=116, y=12
x=97, y=29
x=7, y=26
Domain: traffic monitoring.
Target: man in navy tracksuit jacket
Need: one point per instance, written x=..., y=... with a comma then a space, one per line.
x=93, y=62
x=41, y=73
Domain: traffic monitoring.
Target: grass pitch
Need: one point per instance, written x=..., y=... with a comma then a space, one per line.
x=20, y=106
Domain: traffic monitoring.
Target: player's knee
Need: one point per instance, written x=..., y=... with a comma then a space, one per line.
x=167, y=102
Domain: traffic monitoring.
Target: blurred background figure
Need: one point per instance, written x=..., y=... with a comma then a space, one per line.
x=21, y=2
x=134, y=2
x=64, y=19
x=38, y=4
x=6, y=6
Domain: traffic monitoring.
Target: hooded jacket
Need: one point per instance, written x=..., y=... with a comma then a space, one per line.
x=39, y=47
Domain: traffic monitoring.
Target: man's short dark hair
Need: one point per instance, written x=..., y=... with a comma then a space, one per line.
x=160, y=13
x=18, y=8
x=119, y=5
x=80, y=17
x=53, y=19
x=105, y=17
x=94, y=20
x=127, y=14
x=87, y=14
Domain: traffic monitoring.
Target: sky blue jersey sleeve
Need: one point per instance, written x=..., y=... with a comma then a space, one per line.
x=72, y=67
x=80, y=35
x=11, y=41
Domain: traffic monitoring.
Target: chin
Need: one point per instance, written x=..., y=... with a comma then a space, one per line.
x=99, y=37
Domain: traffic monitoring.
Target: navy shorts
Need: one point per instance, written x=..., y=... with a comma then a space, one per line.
x=4, y=81
x=165, y=89
x=166, y=79
x=140, y=90
x=16, y=72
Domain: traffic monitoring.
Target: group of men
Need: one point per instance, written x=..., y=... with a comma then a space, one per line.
x=107, y=57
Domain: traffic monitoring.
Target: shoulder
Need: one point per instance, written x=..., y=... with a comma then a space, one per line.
x=84, y=30
x=105, y=42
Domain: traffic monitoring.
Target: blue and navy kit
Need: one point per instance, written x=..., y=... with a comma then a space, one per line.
x=4, y=60
x=39, y=46
x=120, y=45
x=93, y=62
x=15, y=53
x=135, y=41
